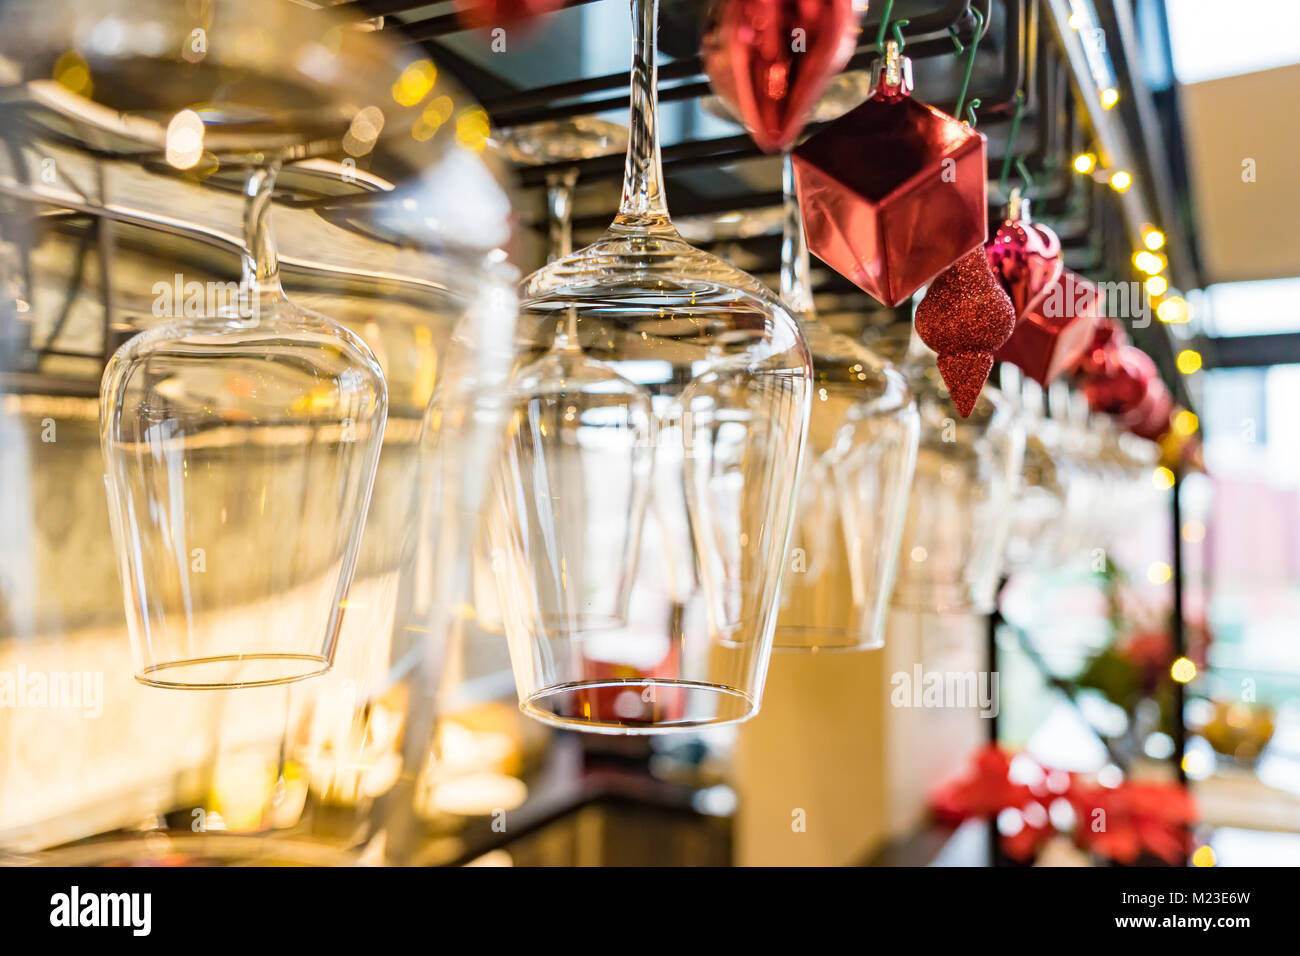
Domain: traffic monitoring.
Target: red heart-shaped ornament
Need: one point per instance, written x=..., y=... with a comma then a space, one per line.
x=770, y=60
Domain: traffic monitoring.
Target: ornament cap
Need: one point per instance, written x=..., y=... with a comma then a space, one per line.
x=891, y=75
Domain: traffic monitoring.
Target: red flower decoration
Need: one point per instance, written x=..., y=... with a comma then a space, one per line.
x=1121, y=822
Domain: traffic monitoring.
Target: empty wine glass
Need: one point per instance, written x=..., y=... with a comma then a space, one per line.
x=266, y=417
x=579, y=449
x=1039, y=526
x=857, y=472
x=727, y=372
x=567, y=437
x=960, y=513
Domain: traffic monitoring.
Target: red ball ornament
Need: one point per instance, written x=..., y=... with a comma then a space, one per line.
x=893, y=192
x=965, y=317
x=1099, y=357
x=1122, y=384
x=770, y=60
x=1156, y=413
x=477, y=14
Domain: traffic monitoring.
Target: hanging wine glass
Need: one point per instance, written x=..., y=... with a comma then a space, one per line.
x=1039, y=527
x=266, y=417
x=727, y=373
x=967, y=472
x=580, y=448
x=591, y=434
x=856, y=475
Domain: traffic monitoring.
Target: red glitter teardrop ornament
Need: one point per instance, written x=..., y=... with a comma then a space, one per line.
x=770, y=60
x=965, y=317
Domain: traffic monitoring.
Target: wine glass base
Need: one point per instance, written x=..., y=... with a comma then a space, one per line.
x=230, y=671
x=639, y=706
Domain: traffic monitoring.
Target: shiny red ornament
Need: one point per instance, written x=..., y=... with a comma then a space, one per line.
x=893, y=192
x=770, y=60
x=477, y=14
x=1123, y=384
x=1026, y=258
x=965, y=317
x=1053, y=335
x=1153, y=418
x=1100, y=355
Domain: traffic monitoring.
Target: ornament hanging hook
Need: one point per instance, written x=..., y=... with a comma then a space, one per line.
x=1011, y=141
x=883, y=34
x=969, y=50
x=971, y=107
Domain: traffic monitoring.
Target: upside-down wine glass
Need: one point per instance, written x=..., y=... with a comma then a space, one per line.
x=856, y=475
x=727, y=374
x=963, y=495
x=266, y=417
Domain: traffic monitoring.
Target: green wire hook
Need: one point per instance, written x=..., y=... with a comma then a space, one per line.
x=970, y=50
x=896, y=32
x=884, y=27
x=971, y=107
x=1011, y=140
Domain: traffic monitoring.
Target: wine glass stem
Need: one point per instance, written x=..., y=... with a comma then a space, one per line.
x=559, y=205
x=796, y=286
x=643, y=203
x=261, y=261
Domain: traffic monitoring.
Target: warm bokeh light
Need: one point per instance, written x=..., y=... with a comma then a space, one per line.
x=1173, y=311
x=1186, y=423
x=1182, y=670
x=184, y=143
x=1120, y=180
x=1109, y=97
x=1085, y=163
x=1149, y=262
x=1189, y=361
x=1159, y=573
x=1157, y=285
x=1154, y=239
x=1193, y=532
x=415, y=83
x=1204, y=856
x=1162, y=479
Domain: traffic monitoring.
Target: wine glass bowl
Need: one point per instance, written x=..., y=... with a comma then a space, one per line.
x=726, y=372
x=967, y=474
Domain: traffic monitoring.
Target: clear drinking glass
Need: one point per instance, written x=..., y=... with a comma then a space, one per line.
x=1040, y=527
x=271, y=410
x=963, y=495
x=727, y=374
x=856, y=476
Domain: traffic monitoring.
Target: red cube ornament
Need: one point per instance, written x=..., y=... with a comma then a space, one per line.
x=893, y=192
x=1054, y=334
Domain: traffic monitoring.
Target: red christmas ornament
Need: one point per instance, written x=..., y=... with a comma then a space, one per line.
x=770, y=60
x=1025, y=256
x=965, y=317
x=893, y=192
x=1123, y=384
x=1057, y=332
x=1100, y=355
x=1152, y=418
x=477, y=14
